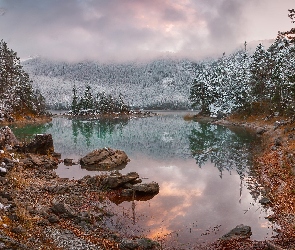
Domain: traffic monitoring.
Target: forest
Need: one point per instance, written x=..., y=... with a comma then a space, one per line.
x=260, y=82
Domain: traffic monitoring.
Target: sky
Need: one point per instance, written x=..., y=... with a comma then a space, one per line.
x=127, y=30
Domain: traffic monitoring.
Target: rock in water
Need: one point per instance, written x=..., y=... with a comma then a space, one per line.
x=68, y=162
x=104, y=159
x=7, y=138
x=146, y=188
x=41, y=144
x=239, y=232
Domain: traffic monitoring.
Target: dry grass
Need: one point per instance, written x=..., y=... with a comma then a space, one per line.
x=24, y=217
x=274, y=171
x=17, y=178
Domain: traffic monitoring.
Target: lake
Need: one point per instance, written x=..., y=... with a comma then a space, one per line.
x=206, y=186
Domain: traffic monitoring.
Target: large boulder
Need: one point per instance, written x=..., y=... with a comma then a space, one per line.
x=41, y=144
x=7, y=138
x=104, y=159
x=239, y=232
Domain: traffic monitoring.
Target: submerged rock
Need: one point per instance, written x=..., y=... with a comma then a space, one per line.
x=239, y=232
x=104, y=159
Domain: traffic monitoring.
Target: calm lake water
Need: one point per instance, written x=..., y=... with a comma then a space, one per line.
x=202, y=170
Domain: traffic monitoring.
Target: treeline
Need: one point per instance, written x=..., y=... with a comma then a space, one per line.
x=262, y=82
x=100, y=103
x=17, y=97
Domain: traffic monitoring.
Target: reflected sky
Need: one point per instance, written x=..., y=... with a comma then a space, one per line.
x=203, y=193
x=194, y=204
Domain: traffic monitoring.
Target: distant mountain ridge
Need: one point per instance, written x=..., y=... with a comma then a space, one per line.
x=163, y=83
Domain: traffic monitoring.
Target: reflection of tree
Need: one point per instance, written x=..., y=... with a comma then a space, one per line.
x=101, y=128
x=28, y=132
x=228, y=150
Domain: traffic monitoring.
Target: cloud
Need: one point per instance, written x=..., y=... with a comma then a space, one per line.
x=121, y=30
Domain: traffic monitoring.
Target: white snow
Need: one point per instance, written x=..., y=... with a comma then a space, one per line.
x=3, y=170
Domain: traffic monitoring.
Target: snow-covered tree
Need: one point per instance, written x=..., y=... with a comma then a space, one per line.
x=222, y=85
x=90, y=104
x=16, y=93
x=74, y=106
x=260, y=69
x=280, y=67
x=87, y=101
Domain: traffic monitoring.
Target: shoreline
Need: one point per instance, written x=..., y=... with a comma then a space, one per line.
x=274, y=168
x=114, y=115
x=28, y=120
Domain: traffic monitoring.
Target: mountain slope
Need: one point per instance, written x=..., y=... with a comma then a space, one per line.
x=163, y=83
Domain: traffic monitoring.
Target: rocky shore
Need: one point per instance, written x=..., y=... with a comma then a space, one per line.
x=39, y=210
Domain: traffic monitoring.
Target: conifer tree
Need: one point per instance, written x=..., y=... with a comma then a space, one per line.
x=16, y=93
x=87, y=100
x=75, y=104
x=203, y=93
x=260, y=69
x=279, y=79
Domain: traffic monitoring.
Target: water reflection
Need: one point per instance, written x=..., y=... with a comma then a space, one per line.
x=101, y=128
x=27, y=132
x=97, y=168
x=226, y=149
x=194, y=204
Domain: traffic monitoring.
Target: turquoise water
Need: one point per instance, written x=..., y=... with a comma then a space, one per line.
x=202, y=170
